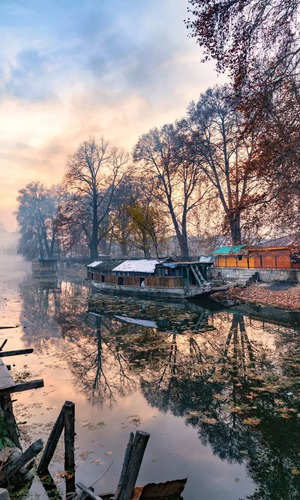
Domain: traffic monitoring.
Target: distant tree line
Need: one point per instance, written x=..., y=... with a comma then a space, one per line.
x=229, y=167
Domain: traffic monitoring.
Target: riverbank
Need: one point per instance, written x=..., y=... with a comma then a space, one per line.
x=278, y=294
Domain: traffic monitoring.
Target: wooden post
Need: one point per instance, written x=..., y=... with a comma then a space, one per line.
x=133, y=466
x=51, y=443
x=69, y=421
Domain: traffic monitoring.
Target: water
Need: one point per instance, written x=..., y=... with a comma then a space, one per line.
x=216, y=391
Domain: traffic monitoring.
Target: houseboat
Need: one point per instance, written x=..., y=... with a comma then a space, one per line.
x=157, y=278
x=259, y=257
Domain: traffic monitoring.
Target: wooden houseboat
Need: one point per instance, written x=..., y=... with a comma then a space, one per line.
x=151, y=278
x=264, y=257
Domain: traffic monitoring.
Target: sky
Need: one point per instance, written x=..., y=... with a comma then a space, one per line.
x=74, y=69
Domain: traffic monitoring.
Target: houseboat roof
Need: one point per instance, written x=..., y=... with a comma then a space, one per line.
x=226, y=250
x=138, y=266
x=95, y=263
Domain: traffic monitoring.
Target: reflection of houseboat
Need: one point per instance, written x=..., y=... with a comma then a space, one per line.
x=45, y=269
x=151, y=278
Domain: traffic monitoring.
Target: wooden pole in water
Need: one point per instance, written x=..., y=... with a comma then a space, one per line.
x=69, y=421
x=52, y=443
x=129, y=477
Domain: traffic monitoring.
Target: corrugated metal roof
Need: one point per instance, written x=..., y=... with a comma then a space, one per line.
x=138, y=266
x=230, y=250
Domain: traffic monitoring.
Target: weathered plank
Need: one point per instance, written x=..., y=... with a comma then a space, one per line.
x=26, y=386
x=16, y=352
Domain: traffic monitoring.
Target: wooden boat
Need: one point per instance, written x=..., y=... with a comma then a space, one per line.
x=157, y=278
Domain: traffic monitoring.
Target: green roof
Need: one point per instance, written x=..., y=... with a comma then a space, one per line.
x=230, y=250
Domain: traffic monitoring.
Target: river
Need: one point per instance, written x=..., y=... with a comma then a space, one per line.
x=217, y=391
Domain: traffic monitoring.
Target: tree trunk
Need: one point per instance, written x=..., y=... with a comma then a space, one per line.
x=235, y=229
x=94, y=237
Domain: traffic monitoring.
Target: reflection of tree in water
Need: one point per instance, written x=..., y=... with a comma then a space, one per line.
x=40, y=306
x=234, y=385
x=233, y=391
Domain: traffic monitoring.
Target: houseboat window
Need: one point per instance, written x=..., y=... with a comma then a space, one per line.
x=102, y=278
x=260, y=261
x=120, y=280
x=240, y=257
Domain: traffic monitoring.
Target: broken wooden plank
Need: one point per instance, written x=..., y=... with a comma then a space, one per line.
x=52, y=443
x=26, y=386
x=13, y=467
x=16, y=352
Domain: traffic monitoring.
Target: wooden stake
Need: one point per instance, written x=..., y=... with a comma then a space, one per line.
x=69, y=419
x=52, y=443
x=134, y=465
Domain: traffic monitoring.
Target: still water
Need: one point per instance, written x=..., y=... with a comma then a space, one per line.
x=217, y=391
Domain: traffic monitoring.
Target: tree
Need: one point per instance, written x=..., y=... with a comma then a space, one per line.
x=173, y=175
x=257, y=42
x=147, y=227
x=37, y=219
x=223, y=154
x=93, y=173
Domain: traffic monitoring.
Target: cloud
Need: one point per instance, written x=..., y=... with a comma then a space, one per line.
x=74, y=69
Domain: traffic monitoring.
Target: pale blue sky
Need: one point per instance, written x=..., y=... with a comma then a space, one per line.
x=74, y=68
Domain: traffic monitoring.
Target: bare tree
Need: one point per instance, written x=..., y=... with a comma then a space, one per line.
x=93, y=174
x=224, y=154
x=37, y=219
x=173, y=174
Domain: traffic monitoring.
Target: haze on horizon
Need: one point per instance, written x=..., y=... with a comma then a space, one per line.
x=72, y=69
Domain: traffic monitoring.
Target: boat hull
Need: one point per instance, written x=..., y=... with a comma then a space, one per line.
x=148, y=292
